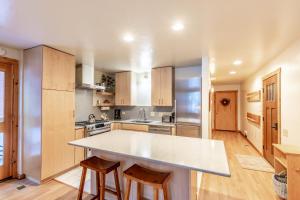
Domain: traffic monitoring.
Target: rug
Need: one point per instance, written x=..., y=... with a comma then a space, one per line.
x=254, y=163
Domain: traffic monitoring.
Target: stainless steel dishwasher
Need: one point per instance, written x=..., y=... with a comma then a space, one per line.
x=166, y=130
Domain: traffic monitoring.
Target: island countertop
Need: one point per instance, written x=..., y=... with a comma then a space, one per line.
x=197, y=154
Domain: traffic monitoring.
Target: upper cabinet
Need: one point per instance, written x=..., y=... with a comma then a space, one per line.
x=124, y=89
x=162, y=86
x=58, y=70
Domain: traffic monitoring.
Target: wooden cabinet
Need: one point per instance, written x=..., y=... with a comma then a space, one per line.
x=124, y=90
x=162, y=86
x=188, y=130
x=58, y=70
x=135, y=127
x=115, y=126
x=49, y=104
x=79, y=152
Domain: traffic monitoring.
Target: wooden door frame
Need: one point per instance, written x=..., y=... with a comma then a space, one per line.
x=15, y=118
x=278, y=73
x=236, y=107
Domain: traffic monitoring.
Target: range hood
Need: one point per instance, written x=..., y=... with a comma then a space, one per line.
x=85, y=77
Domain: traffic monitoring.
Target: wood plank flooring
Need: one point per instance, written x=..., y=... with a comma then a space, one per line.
x=242, y=185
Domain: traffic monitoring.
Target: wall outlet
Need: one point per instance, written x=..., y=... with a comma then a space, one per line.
x=161, y=114
x=152, y=114
x=123, y=113
x=285, y=132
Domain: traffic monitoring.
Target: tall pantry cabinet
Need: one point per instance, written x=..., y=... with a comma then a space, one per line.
x=49, y=104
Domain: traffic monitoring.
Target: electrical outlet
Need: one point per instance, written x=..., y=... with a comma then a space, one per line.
x=285, y=132
x=152, y=114
x=161, y=114
x=123, y=113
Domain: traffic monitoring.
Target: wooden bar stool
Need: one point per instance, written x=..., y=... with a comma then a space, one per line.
x=158, y=180
x=101, y=167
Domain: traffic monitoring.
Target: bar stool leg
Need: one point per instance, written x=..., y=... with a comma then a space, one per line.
x=165, y=190
x=98, y=184
x=80, y=192
x=102, y=186
x=117, y=184
x=155, y=193
x=139, y=191
x=128, y=187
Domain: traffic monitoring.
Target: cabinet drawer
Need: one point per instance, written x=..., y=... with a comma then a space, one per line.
x=135, y=127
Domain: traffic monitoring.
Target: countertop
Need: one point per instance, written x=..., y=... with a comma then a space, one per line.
x=192, y=153
x=156, y=123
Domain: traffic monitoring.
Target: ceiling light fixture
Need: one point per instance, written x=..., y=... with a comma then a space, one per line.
x=232, y=72
x=128, y=37
x=178, y=26
x=237, y=62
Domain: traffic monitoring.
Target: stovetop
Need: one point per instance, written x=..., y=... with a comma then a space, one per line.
x=84, y=123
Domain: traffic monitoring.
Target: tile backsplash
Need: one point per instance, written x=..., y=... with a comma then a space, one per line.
x=84, y=107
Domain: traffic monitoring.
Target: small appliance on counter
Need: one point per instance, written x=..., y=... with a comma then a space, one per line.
x=117, y=115
x=166, y=119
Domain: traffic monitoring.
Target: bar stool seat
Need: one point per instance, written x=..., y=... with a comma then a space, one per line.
x=101, y=167
x=158, y=180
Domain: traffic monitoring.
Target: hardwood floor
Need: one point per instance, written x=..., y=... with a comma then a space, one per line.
x=51, y=190
x=243, y=184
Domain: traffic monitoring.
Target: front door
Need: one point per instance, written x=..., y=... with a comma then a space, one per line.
x=271, y=125
x=226, y=110
x=6, y=99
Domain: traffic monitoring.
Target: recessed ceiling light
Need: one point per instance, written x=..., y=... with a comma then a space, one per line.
x=232, y=72
x=237, y=62
x=178, y=26
x=128, y=37
x=212, y=67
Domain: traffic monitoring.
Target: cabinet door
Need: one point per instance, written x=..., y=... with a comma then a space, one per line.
x=188, y=130
x=119, y=89
x=166, y=86
x=79, y=151
x=155, y=87
x=127, y=88
x=58, y=70
x=57, y=130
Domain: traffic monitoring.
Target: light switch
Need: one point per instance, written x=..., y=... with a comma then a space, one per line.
x=123, y=113
x=285, y=132
x=152, y=114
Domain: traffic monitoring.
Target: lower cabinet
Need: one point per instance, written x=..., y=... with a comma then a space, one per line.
x=135, y=127
x=78, y=151
x=188, y=130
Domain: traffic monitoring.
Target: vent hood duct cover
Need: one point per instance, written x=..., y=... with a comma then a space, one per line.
x=85, y=78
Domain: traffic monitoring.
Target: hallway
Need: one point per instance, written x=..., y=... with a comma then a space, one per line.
x=243, y=184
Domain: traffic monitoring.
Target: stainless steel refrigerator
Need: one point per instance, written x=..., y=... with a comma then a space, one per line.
x=188, y=101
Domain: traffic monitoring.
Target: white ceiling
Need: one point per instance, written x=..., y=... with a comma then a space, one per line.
x=251, y=30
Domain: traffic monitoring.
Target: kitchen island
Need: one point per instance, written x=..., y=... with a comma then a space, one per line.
x=182, y=156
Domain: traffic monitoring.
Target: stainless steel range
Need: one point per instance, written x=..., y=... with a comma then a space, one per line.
x=95, y=128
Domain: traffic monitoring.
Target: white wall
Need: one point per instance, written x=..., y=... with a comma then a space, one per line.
x=18, y=55
x=289, y=62
x=231, y=87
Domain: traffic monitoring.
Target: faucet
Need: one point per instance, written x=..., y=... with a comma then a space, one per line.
x=142, y=114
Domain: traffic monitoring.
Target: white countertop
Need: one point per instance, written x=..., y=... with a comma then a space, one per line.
x=193, y=153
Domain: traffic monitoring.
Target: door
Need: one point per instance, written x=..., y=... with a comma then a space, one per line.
x=226, y=110
x=6, y=99
x=271, y=125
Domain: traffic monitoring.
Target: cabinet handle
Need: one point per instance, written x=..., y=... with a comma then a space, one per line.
x=162, y=101
x=158, y=101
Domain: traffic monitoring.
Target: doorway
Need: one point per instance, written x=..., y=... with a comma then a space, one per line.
x=271, y=114
x=8, y=118
x=225, y=110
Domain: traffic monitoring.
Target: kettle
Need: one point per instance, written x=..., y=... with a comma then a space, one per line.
x=92, y=118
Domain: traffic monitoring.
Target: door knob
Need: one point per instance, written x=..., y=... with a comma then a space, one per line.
x=275, y=126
